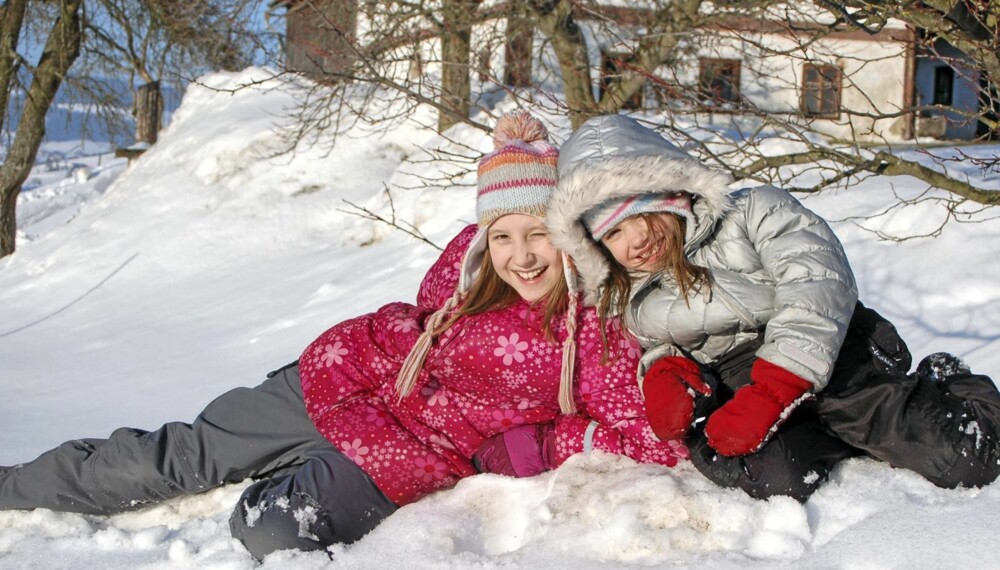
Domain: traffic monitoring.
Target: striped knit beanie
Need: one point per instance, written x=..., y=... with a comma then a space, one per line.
x=516, y=178
x=520, y=174
x=601, y=218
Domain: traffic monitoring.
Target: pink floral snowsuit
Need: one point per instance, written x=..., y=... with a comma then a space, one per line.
x=484, y=375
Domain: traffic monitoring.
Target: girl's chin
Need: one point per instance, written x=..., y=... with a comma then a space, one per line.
x=534, y=292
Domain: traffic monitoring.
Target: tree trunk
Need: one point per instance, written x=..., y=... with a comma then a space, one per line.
x=517, y=56
x=321, y=37
x=11, y=18
x=148, y=111
x=61, y=49
x=456, y=85
x=574, y=63
x=653, y=51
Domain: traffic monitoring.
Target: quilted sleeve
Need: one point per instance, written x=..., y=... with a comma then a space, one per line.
x=611, y=415
x=815, y=290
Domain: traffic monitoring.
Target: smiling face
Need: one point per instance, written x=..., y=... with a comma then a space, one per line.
x=523, y=256
x=635, y=245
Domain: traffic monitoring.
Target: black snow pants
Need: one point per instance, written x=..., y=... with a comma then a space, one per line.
x=943, y=429
x=308, y=495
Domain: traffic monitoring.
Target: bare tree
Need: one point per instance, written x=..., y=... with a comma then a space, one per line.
x=654, y=42
x=59, y=52
x=663, y=25
x=696, y=69
x=152, y=40
x=969, y=25
x=412, y=52
x=88, y=42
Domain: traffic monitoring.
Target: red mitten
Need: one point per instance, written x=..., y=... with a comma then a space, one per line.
x=669, y=390
x=745, y=423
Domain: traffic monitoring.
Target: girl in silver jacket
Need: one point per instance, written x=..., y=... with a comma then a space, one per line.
x=758, y=351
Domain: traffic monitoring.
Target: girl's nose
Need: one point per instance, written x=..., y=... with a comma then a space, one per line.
x=523, y=256
x=638, y=236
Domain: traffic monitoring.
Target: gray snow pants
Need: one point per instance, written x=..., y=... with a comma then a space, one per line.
x=309, y=497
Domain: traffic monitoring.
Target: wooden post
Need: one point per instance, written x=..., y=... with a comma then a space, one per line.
x=148, y=109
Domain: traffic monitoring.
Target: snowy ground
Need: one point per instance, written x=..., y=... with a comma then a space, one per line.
x=138, y=294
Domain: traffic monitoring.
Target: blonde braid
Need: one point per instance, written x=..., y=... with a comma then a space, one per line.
x=408, y=374
x=566, y=401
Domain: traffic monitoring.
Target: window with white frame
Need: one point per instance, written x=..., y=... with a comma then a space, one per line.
x=821, y=85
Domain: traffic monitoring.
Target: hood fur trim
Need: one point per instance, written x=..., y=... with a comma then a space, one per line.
x=602, y=175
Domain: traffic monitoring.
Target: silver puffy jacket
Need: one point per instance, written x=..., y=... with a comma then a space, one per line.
x=774, y=264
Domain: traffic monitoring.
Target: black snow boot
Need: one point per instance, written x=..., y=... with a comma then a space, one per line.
x=939, y=366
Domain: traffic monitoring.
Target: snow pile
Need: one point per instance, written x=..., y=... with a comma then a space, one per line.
x=140, y=293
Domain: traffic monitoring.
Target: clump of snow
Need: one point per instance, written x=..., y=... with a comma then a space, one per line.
x=140, y=292
x=306, y=517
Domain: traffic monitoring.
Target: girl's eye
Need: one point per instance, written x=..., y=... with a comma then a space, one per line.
x=498, y=237
x=612, y=234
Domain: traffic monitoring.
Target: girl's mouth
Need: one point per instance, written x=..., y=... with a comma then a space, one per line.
x=529, y=276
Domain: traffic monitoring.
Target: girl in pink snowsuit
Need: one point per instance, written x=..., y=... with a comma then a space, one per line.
x=496, y=366
x=485, y=374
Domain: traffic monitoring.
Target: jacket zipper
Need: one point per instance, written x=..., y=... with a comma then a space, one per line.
x=734, y=305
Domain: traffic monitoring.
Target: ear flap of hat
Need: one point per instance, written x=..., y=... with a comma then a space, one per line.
x=569, y=235
x=473, y=260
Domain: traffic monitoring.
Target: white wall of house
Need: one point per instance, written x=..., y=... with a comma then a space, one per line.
x=873, y=76
x=873, y=82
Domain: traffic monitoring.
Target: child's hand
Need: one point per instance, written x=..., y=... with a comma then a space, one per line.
x=669, y=389
x=744, y=424
x=522, y=451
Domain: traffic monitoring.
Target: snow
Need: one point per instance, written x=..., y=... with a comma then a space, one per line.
x=138, y=293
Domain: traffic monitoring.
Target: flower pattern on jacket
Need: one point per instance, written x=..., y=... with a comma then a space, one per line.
x=354, y=450
x=510, y=350
x=486, y=374
x=333, y=353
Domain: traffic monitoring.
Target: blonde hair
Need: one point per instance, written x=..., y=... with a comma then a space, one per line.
x=488, y=292
x=617, y=291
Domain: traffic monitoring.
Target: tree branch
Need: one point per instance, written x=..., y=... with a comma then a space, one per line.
x=401, y=225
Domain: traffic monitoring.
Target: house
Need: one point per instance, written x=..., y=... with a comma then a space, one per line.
x=322, y=37
x=790, y=64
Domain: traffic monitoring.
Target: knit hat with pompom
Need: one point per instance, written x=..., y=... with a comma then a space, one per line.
x=520, y=174
x=516, y=178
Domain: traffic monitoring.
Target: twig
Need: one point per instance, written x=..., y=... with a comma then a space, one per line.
x=409, y=230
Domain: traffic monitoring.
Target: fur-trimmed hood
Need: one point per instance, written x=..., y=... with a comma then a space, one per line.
x=613, y=157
